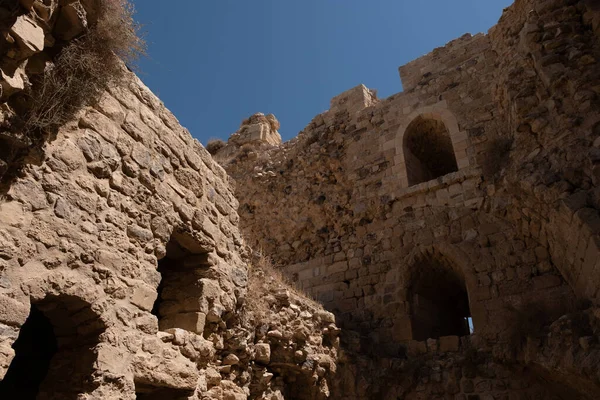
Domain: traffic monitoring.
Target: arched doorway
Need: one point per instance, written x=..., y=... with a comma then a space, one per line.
x=439, y=301
x=55, y=351
x=428, y=150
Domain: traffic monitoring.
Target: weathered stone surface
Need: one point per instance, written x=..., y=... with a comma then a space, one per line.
x=356, y=212
x=29, y=35
x=123, y=231
x=83, y=233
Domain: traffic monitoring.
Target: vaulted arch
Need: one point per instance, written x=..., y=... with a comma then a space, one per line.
x=438, y=297
x=55, y=351
x=428, y=151
x=429, y=144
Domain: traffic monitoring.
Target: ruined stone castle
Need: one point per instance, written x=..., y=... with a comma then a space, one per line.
x=443, y=243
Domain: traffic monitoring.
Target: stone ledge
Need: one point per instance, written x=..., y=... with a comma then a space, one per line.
x=441, y=182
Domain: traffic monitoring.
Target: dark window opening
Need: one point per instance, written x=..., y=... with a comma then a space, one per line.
x=181, y=271
x=34, y=348
x=428, y=151
x=54, y=352
x=439, y=301
x=145, y=392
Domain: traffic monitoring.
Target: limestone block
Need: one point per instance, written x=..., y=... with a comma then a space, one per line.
x=29, y=192
x=111, y=107
x=546, y=281
x=12, y=312
x=191, y=322
x=29, y=35
x=262, y=353
x=172, y=371
x=340, y=266
x=139, y=234
x=71, y=22
x=144, y=297
x=6, y=355
x=231, y=359
x=12, y=83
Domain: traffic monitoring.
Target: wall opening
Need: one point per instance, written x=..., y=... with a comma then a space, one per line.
x=428, y=150
x=439, y=300
x=145, y=392
x=177, y=304
x=55, y=351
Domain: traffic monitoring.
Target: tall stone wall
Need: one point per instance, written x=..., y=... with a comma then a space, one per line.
x=471, y=198
x=122, y=270
x=120, y=188
x=517, y=224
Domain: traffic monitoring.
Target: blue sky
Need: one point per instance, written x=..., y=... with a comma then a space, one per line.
x=215, y=62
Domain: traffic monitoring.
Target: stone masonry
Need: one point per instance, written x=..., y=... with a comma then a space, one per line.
x=470, y=195
x=449, y=234
x=123, y=274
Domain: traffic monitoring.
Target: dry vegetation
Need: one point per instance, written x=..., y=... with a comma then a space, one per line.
x=85, y=67
x=214, y=145
x=265, y=281
x=79, y=72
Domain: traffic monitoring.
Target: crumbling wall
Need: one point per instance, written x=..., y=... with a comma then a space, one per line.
x=335, y=207
x=517, y=223
x=120, y=188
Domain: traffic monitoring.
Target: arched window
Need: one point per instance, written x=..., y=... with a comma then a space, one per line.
x=439, y=300
x=55, y=351
x=428, y=151
x=181, y=286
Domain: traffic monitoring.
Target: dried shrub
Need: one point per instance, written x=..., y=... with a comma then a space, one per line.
x=84, y=68
x=80, y=71
x=213, y=146
x=496, y=157
x=118, y=30
x=246, y=149
x=264, y=281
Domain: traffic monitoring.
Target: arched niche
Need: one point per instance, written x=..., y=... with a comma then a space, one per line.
x=55, y=351
x=428, y=151
x=178, y=303
x=438, y=298
x=429, y=144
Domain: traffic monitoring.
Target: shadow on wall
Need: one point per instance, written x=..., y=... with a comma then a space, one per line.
x=55, y=351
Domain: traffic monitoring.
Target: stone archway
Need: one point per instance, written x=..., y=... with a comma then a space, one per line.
x=55, y=351
x=438, y=119
x=438, y=298
x=428, y=151
x=184, y=272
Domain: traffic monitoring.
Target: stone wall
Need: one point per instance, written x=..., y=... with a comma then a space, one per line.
x=123, y=273
x=122, y=265
x=335, y=208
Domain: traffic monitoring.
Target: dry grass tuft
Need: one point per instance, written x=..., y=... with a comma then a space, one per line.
x=80, y=71
x=84, y=68
x=118, y=30
x=265, y=282
x=213, y=146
